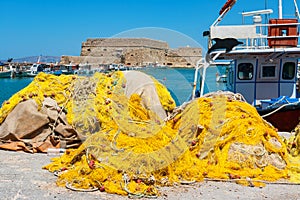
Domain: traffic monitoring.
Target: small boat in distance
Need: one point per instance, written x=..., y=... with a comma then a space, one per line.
x=263, y=62
x=35, y=69
x=5, y=74
x=4, y=71
x=18, y=71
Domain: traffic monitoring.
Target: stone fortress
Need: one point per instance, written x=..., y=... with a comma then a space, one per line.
x=133, y=52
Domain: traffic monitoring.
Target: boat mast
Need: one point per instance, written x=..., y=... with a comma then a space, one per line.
x=39, y=59
x=227, y=6
x=280, y=9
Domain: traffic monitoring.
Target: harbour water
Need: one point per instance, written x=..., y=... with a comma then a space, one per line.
x=179, y=81
x=9, y=86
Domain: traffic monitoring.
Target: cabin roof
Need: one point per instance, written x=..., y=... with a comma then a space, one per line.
x=292, y=52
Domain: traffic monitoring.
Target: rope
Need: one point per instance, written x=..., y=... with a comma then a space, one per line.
x=187, y=182
x=113, y=142
x=134, y=195
x=177, y=111
x=277, y=102
x=130, y=194
x=84, y=94
x=62, y=108
x=70, y=187
x=276, y=110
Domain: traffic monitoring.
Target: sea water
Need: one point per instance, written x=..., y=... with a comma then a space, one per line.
x=179, y=82
x=9, y=86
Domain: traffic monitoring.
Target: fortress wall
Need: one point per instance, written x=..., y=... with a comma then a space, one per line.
x=134, y=52
x=126, y=42
x=188, y=51
x=144, y=56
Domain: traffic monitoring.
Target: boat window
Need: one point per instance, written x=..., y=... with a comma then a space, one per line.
x=288, y=71
x=245, y=71
x=268, y=71
x=283, y=32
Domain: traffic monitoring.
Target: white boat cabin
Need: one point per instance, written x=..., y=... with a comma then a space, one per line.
x=261, y=77
x=263, y=57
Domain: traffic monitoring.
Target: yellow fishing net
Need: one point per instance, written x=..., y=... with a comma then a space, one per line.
x=293, y=148
x=129, y=150
x=58, y=88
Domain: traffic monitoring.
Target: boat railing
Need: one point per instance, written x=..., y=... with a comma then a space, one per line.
x=203, y=63
x=258, y=36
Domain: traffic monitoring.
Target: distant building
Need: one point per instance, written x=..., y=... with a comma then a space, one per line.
x=133, y=52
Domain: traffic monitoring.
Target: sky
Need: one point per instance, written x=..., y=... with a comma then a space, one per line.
x=58, y=27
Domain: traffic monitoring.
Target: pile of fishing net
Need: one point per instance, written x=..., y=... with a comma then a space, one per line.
x=66, y=109
x=34, y=119
x=293, y=148
x=136, y=140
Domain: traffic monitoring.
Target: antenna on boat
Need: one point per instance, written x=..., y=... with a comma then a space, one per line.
x=280, y=9
x=297, y=10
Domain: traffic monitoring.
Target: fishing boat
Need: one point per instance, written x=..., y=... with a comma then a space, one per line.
x=35, y=69
x=5, y=74
x=263, y=61
x=4, y=71
x=18, y=71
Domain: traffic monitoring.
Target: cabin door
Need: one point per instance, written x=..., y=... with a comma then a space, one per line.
x=245, y=79
x=288, y=77
x=267, y=80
